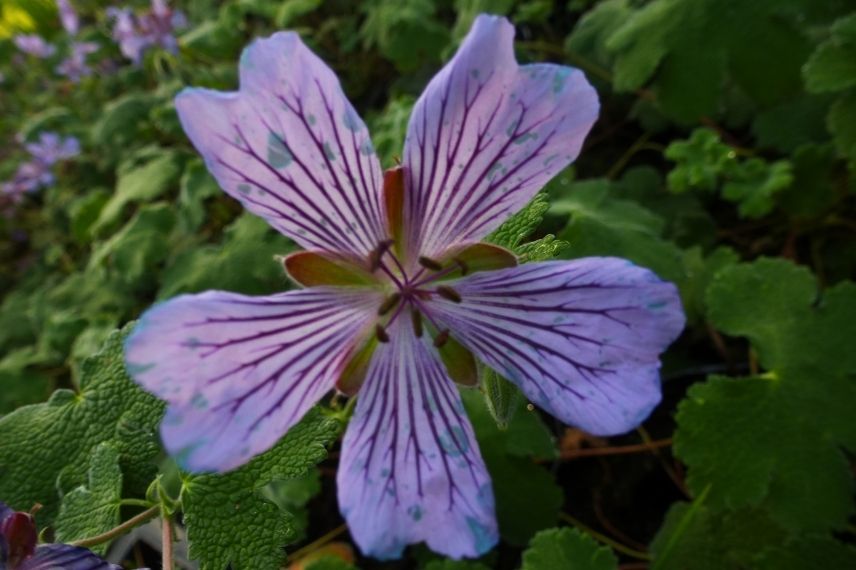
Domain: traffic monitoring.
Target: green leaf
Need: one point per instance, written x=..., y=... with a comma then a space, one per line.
x=135, y=251
x=832, y=66
x=519, y=484
x=120, y=123
x=229, y=522
x=139, y=183
x=841, y=122
x=197, y=185
x=93, y=509
x=760, y=46
x=569, y=549
x=245, y=262
x=808, y=552
x=775, y=440
x=47, y=447
x=519, y=226
x=405, y=31
x=694, y=537
x=328, y=562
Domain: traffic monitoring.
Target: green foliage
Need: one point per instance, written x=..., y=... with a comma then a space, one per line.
x=727, y=133
x=567, y=548
x=704, y=162
x=230, y=523
x=47, y=447
x=93, y=509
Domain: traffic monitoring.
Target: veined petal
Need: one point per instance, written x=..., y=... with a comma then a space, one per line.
x=485, y=136
x=411, y=470
x=581, y=338
x=239, y=371
x=291, y=148
x=54, y=556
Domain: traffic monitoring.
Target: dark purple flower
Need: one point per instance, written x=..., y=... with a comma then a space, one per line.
x=34, y=45
x=136, y=33
x=399, y=292
x=68, y=17
x=19, y=551
x=74, y=67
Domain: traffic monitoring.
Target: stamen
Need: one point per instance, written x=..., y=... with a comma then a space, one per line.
x=441, y=338
x=380, y=333
x=462, y=264
x=377, y=253
x=416, y=318
x=429, y=263
x=448, y=293
x=390, y=302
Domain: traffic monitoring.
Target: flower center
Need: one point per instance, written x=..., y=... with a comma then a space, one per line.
x=411, y=291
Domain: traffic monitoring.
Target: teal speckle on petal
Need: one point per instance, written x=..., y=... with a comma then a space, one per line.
x=328, y=152
x=277, y=153
x=454, y=442
x=245, y=188
x=199, y=402
x=415, y=512
x=475, y=73
x=483, y=539
x=560, y=79
x=525, y=137
x=657, y=305
x=366, y=148
x=351, y=120
x=311, y=120
x=512, y=127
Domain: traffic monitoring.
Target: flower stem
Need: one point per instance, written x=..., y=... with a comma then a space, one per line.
x=605, y=539
x=616, y=450
x=166, y=542
x=316, y=544
x=119, y=530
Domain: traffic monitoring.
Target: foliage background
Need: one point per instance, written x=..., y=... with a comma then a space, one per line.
x=724, y=160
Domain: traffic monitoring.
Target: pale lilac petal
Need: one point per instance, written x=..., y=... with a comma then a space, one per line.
x=34, y=45
x=68, y=16
x=486, y=135
x=581, y=338
x=411, y=470
x=239, y=371
x=65, y=557
x=291, y=148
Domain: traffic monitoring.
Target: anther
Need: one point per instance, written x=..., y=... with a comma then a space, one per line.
x=441, y=338
x=462, y=264
x=416, y=318
x=377, y=253
x=429, y=263
x=448, y=293
x=390, y=302
x=380, y=333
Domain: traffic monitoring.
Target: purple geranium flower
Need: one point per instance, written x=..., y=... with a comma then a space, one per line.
x=399, y=292
x=18, y=549
x=34, y=45
x=137, y=33
x=68, y=17
x=52, y=148
x=74, y=67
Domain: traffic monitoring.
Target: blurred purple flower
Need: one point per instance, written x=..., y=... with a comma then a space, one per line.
x=51, y=148
x=36, y=173
x=19, y=549
x=400, y=293
x=74, y=66
x=34, y=45
x=68, y=17
x=136, y=33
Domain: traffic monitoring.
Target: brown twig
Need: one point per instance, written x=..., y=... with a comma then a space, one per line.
x=615, y=450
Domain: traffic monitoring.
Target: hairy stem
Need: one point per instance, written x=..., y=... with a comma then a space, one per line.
x=119, y=530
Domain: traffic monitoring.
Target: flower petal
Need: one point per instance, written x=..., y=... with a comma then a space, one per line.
x=54, y=556
x=291, y=148
x=411, y=470
x=486, y=135
x=581, y=338
x=239, y=371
